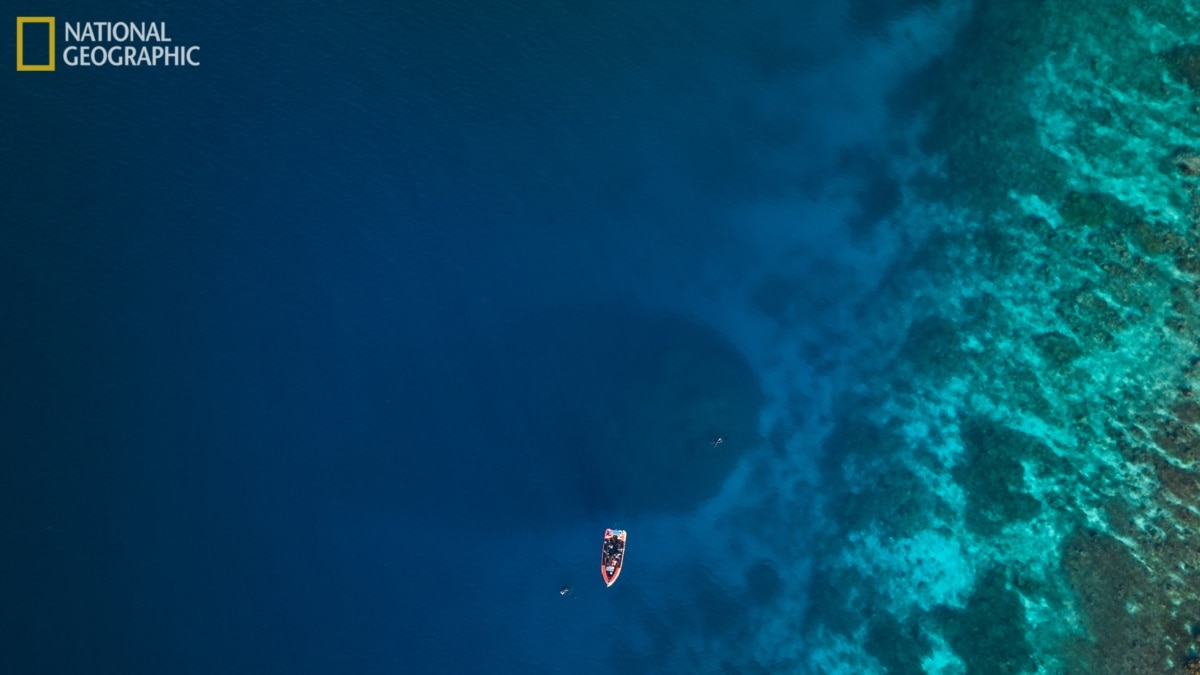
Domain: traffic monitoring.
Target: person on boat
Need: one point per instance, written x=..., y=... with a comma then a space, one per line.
x=613, y=554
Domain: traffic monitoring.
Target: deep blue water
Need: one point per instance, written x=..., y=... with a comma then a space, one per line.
x=338, y=352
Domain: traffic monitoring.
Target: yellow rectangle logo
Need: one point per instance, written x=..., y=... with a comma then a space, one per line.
x=21, y=21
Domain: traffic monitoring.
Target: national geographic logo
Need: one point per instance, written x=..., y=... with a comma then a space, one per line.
x=99, y=43
x=44, y=60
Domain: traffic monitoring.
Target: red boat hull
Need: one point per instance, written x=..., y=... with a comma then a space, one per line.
x=612, y=555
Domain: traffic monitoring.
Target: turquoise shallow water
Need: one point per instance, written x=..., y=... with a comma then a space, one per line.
x=1017, y=483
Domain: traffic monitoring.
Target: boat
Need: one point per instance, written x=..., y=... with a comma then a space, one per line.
x=612, y=555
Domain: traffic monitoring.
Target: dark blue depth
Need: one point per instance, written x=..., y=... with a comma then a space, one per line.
x=339, y=352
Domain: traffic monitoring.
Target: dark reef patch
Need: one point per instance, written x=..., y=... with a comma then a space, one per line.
x=992, y=476
x=1152, y=238
x=1136, y=287
x=989, y=633
x=1025, y=392
x=1089, y=315
x=1120, y=518
x=899, y=646
x=1059, y=350
x=1178, y=440
x=1183, y=483
x=938, y=253
x=1183, y=63
x=895, y=499
x=1186, y=411
x=978, y=120
x=834, y=604
x=933, y=344
x=983, y=312
x=864, y=488
x=1107, y=581
x=1095, y=209
x=855, y=439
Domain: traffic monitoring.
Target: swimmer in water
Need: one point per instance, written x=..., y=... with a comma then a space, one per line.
x=564, y=590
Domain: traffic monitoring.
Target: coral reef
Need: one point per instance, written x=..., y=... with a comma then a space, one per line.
x=1040, y=410
x=1183, y=62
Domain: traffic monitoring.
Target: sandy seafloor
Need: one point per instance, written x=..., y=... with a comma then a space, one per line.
x=930, y=267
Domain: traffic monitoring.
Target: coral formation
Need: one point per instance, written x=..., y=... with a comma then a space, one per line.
x=1183, y=62
x=1040, y=411
x=1071, y=338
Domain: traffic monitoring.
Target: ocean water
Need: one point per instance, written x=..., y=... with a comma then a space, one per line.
x=338, y=352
